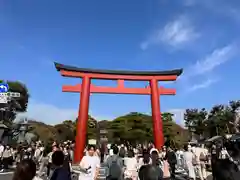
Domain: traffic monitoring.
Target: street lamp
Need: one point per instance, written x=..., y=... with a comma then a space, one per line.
x=22, y=130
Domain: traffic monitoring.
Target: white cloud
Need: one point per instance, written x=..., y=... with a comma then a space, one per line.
x=224, y=8
x=205, y=67
x=202, y=85
x=234, y=13
x=175, y=33
x=178, y=116
x=189, y=2
x=144, y=45
x=48, y=113
x=215, y=59
x=51, y=114
x=208, y=64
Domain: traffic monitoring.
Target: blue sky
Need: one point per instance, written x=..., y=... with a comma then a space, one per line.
x=202, y=37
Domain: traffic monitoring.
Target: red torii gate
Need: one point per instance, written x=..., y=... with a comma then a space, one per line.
x=86, y=88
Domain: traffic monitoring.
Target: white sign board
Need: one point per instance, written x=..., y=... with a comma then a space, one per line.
x=92, y=141
x=5, y=97
x=14, y=94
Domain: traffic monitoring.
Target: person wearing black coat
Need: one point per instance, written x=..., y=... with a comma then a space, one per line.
x=172, y=160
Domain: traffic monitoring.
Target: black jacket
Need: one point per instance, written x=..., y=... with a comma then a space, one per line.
x=171, y=157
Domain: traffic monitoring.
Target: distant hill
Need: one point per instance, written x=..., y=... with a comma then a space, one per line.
x=43, y=131
x=67, y=129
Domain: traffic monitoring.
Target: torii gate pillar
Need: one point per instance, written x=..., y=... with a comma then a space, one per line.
x=82, y=121
x=156, y=115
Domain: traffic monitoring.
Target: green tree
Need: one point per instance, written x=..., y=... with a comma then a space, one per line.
x=133, y=127
x=174, y=134
x=64, y=133
x=44, y=132
x=138, y=128
x=195, y=121
x=218, y=122
x=221, y=120
x=91, y=127
x=234, y=115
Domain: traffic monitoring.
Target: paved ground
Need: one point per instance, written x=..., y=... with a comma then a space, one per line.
x=179, y=176
x=9, y=177
x=6, y=176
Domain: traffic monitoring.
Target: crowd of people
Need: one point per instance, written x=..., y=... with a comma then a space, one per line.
x=122, y=162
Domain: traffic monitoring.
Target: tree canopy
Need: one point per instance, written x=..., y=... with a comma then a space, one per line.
x=133, y=127
x=219, y=120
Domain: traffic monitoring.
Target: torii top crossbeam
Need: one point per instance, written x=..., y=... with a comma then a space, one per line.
x=120, y=76
x=113, y=74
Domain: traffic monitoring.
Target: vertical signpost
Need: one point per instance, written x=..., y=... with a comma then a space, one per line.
x=5, y=98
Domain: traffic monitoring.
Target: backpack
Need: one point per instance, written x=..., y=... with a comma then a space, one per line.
x=115, y=171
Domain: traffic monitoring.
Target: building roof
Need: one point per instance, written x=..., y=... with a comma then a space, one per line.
x=176, y=72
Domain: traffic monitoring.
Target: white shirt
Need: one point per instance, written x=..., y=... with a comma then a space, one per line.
x=37, y=153
x=197, y=152
x=1, y=149
x=135, y=151
x=131, y=163
x=50, y=157
x=188, y=156
x=180, y=153
x=87, y=162
x=110, y=152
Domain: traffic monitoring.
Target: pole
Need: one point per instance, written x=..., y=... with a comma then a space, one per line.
x=156, y=115
x=82, y=120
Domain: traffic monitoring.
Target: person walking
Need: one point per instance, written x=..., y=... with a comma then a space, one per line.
x=90, y=163
x=114, y=165
x=172, y=160
x=188, y=157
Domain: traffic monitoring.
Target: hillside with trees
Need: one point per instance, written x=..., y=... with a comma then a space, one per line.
x=133, y=127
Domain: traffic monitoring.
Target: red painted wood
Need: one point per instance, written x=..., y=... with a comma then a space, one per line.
x=82, y=120
x=120, y=83
x=118, y=90
x=86, y=89
x=156, y=115
x=116, y=77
